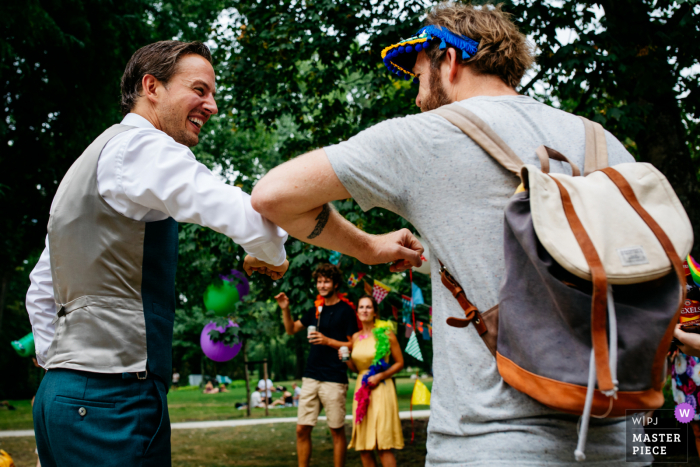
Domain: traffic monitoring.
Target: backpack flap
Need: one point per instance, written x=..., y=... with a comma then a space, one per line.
x=628, y=249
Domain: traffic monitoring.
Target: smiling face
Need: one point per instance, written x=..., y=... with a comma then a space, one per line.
x=325, y=286
x=188, y=100
x=431, y=92
x=365, y=310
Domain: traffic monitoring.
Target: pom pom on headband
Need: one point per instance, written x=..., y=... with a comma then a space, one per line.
x=401, y=57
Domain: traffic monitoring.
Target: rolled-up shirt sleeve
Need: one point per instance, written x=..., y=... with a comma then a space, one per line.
x=41, y=306
x=158, y=173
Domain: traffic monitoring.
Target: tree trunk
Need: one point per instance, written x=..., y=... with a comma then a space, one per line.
x=3, y=293
x=247, y=378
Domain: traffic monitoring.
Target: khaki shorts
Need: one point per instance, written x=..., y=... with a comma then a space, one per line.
x=314, y=395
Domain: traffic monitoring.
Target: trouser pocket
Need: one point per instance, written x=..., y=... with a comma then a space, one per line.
x=159, y=444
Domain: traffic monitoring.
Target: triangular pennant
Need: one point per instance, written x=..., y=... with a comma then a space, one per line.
x=395, y=312
x=426, y=332
x=380, y=291
x=409, y=330
x=421, y=394
x=413, y=349
x=354, y=279
x=368, y=288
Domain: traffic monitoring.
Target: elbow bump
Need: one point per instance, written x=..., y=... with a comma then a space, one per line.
x=262, y=200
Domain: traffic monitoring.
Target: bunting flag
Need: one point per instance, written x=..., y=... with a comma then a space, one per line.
x=419, y=326
x=412, y=348
x=380, y=291
x=426, y=332
x=368, y=288
x=417, y=295
x=421, y=394
x=335, y=257
x=395, y=312
x=409, y=330
x=354, y=279
x=406, y=302
x=406, y=309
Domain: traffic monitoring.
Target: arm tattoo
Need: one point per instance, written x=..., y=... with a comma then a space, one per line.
x=322, y=220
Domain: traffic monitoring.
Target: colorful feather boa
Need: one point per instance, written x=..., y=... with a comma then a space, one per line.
x=382, y=349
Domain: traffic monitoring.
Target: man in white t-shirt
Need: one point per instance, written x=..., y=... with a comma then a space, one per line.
x=429, y=172
x=270, y=388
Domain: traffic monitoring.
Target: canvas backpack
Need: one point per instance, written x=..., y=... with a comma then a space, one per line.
x=593, y=283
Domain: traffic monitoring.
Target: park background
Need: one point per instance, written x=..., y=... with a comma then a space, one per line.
x=294, y=75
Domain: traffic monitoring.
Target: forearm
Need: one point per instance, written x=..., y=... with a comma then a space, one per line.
x=336, y=344
x=391, y=371
x=351, y=365
x=288, y=321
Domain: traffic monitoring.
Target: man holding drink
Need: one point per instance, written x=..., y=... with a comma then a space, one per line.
x=330, y=326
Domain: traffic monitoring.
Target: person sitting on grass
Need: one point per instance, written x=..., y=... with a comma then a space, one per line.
x=210, y=389
x=286, y=400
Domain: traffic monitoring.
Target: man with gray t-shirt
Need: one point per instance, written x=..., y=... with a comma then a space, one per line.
x=429, y=172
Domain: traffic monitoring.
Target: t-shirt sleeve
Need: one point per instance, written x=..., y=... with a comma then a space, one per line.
x=372, y=165
x=309, y=318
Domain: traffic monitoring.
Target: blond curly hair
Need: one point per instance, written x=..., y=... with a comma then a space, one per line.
x=503, y=50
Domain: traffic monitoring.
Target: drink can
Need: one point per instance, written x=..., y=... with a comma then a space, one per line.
x=345, y=353
x=309, y=330
x=690, y=311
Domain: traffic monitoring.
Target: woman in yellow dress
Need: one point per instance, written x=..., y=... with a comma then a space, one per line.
x=376, y=426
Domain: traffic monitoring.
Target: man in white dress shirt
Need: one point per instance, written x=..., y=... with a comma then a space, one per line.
x=102, y=296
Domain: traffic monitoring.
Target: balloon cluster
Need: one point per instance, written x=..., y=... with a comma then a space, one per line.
x=221, y=299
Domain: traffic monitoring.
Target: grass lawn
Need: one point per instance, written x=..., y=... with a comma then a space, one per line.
x=191, y=405
x=259, y=445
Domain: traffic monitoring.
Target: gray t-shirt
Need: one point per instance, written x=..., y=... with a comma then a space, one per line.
x=426, y=170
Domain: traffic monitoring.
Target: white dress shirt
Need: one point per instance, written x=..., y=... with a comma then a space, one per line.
x=147, y=176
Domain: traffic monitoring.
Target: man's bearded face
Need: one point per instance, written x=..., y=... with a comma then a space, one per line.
x=431, y=93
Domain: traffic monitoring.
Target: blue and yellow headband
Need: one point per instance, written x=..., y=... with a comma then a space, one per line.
x=401, y=57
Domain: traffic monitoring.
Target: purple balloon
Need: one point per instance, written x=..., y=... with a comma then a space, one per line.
x=243, y=285
x=218, y=351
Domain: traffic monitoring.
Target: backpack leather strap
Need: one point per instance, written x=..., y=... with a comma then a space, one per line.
x=596, y=147
x=471, y=313
x=657, y=368
x=599, y=301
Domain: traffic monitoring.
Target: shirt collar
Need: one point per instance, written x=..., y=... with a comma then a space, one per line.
x=136, y=120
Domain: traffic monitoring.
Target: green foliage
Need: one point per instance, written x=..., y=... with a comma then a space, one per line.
x=294, y=76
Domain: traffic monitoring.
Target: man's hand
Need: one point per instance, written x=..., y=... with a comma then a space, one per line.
x=691, y=341
x=316, y=338
x=282, y=300
x=252, y=264
x=401, y=248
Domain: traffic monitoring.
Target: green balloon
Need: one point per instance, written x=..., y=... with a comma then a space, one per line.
x=222, y=298
x=24, y=346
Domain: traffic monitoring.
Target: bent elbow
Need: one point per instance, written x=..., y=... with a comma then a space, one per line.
x=261, y=199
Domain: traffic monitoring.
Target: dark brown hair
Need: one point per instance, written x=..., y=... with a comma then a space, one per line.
x=503, y=50
x=158, y=59
x=375, y=306
x=329, y=271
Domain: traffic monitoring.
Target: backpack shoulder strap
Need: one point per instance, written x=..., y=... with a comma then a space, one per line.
x=596, y=147
x=482, y=134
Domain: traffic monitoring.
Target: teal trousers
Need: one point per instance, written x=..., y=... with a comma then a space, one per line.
x=90, y=419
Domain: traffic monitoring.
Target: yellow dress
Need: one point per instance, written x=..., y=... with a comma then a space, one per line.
x=381, y=427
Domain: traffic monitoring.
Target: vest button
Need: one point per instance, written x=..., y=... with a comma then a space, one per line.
x=82, y=411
